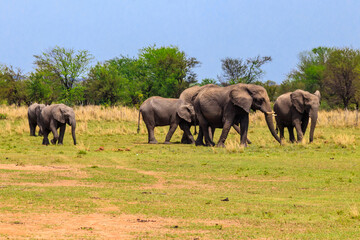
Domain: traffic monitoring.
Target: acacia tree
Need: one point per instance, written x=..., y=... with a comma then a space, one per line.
x=63, y=67
x=237, y=70
x=342, y=73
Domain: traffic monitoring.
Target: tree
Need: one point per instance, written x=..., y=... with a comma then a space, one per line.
x=342, y=73
x=63, y=67
x=206, y=81
x=13, y=85
x=237, y=70
x=310, y=70
x=168, y=71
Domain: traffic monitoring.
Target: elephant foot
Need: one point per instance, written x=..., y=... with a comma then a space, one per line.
x=53, y=141
x=199, y=143
x=210, y=144
x=153, y=142
x=167, y=142
x=220, y=144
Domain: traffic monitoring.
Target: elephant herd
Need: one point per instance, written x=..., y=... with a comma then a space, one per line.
x=212, y=107
x=50, y=119
x=209, y=107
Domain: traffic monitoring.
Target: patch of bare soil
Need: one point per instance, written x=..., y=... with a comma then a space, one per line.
x=71, y=226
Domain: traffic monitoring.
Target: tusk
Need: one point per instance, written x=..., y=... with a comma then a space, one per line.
x=271, y=113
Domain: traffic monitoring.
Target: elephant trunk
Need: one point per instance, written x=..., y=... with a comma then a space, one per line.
x=270, y=124
x=313, y=116
x=73, y=127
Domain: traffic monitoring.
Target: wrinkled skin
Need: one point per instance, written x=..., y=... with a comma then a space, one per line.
x=293, y=109
x=158, y=111
x=34, y=111
x=188, y=96
x=54, y=117
x=225, y=106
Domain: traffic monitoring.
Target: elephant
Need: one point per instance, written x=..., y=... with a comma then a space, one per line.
x=159, y=111
x=57, y=116
x=34, y=111
x=188, y=96
x=293, y=109
x=223, y=107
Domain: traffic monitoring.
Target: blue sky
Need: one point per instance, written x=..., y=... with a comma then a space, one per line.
x=207, y=30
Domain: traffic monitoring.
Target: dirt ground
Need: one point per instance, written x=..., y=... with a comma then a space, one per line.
x=80, y=226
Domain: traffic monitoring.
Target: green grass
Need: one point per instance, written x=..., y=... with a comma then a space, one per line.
x=295, y=191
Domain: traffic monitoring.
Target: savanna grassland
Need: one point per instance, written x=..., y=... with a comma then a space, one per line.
x=113, y=185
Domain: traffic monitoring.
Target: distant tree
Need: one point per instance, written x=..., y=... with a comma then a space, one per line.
x=309, y=73
x=237, y=70
x=40, y=89
x=342, y=73
x=206, y=81
x=168, y=71
x=104, y=85
x=13, y=85
x=63, y=67
x=271, y=88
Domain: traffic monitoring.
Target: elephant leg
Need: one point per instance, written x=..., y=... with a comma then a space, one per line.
x=187, y=134
x=291, y=134
x=211, y=133
x=45, y=137
x=237, y=129
x=199, y=140
x=299, y=132
x=244, y=126
x=151, y=136
x=224, y=133
x=32, y=129
x=281, y=129
x=304, y=123
x=204, y=127
x=61, y=135
x=170, y=133
x=55, y=133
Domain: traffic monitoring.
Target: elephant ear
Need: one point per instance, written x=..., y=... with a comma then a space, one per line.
x=317, y=93
x=58, y=114
x=241, y=97
x=184, y=112
x=297, y=99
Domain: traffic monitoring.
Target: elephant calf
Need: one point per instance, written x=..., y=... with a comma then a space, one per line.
x=33, y=116
x=158, y=111
x=293, y=109
x=54, y=117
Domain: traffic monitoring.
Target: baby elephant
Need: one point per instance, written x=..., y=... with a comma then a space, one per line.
x=54, y=117
x=158, y=111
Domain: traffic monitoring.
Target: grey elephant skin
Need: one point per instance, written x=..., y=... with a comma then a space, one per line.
x=54, y=117
x=223, y=107
x=293, y=109
x=188, y=97
x=34, y=111
x=159, y=111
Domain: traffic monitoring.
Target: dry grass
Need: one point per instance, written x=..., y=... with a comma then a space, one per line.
x=335, y=118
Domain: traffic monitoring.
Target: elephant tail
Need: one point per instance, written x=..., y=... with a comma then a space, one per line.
x=138, y=129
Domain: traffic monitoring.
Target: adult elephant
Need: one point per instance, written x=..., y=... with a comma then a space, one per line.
x=54, y=117
x=293, y=109
x=188, y=97
x=159, y=111
x=225, y=106
x=34, y=111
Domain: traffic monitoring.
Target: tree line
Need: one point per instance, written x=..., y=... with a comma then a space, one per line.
x=66, y=76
